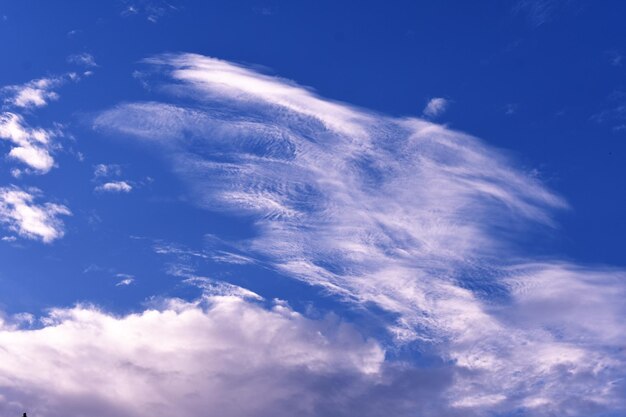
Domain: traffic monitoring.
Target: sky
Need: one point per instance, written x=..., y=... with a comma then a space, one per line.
x=323, y=209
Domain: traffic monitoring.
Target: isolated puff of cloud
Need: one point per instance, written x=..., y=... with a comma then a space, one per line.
x=115, y=187
x=435, y=107
x=223, y=356
x=31, y=146
x=402, y=214
x=22, y=215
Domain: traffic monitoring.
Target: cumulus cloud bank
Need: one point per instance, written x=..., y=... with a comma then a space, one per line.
x=221, y=355
x=401, y=214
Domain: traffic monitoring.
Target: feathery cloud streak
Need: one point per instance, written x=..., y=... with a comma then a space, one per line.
x=399, y=213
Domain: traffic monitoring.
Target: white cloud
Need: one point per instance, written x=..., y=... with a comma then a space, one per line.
x=223, y=355
x=20, y=213
x=107, y=170
x=32, y=146
x=435, y=107
x=102, y=172
x=152, y=10
x=84, y=59
x=35, y=93
x=401, y=214
x=115, y=187
x=223, y=80
x=125, y=280
x=217, y=288
x=615, y=116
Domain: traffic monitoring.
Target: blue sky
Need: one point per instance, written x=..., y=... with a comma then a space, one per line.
x=254, y=208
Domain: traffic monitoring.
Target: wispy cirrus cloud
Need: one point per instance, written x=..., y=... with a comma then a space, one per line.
x=539, y=12
x=402, y=214
x=22, y=215
x=107, y=171
x=435, y=107
x=457, y=179
x=152, y=10
x=84, y=59
x=614, y=115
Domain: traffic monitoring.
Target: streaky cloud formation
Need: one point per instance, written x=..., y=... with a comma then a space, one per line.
x=404, y=196
x=539, y=12
x=20, y=213
x=400, y=214
x=85, y=59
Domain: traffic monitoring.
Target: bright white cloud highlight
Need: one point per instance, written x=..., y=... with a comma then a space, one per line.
x=20, y=213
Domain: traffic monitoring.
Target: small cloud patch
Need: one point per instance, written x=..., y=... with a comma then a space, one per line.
x=435, y=107
x=115, y=187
